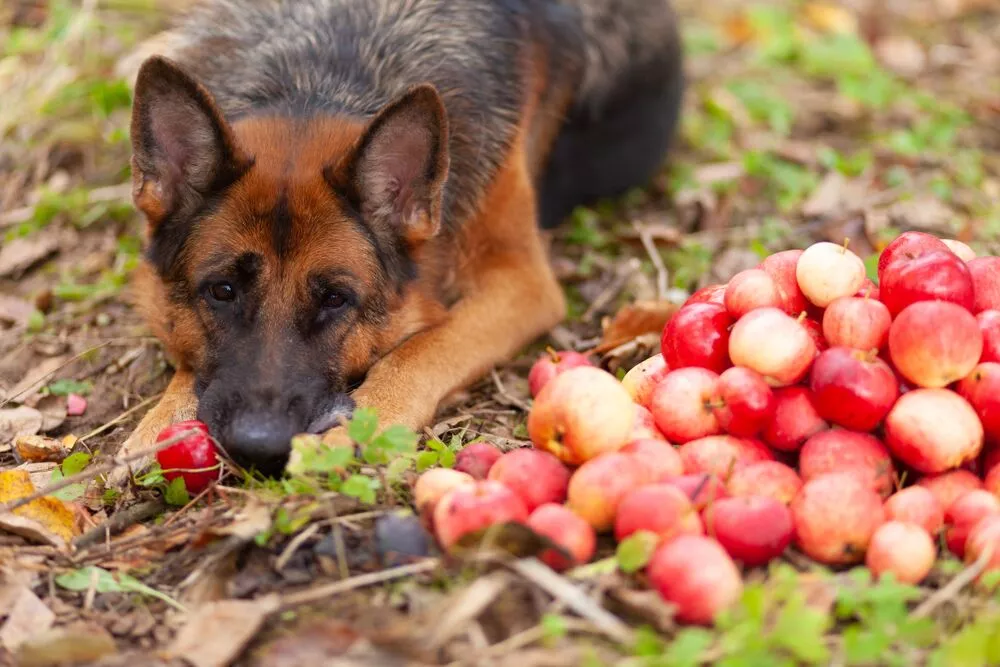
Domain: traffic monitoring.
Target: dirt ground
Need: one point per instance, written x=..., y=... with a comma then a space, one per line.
x=803, y=121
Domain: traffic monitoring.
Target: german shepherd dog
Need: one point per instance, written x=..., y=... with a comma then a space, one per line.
x=345, y=198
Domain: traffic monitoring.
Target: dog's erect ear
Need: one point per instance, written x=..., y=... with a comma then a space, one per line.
x=395, y=173
x=182, y=148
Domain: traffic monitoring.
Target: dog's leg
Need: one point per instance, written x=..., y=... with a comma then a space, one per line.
x=509, y=297
x=177, y=404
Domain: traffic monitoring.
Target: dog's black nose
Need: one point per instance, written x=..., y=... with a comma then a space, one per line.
x=260, y=440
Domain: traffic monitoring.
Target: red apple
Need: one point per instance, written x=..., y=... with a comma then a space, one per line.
x=708, y=294
x=773, y=344
x=698, y=335
x=552, y=364
x=720, y=455
x=916, y=505
x=852, y=388
x=753, y=530
x=596, y=488
x=936, y=276
x=765, y=478
x=744, y=402
x=934, y=343
x=468, y=508
x=827, y=271
x=861, y=323
x=835, y=517
x=961, y=250
x=644, y=426
x=751, y=289
x=986, y=283
x=697, y=576
x=904, y=550
x=658, y=508
x=985, y=537
x=642, y=379
x=537, y=477
x=659, y=459
x=815, y=331
x=781, y=267
x=566, y=529
x=477, y=458
x=981, y=388
x=432, y=484
x=193, y=457
x=932, y=430
x=907, y=246
x=682, y=404
x=989, y=326
x=795, y=419
x=850, y=452
x=992, y=481
x=869, y=290
x=947, y=487
x=581, y=413
x=963, y=514
x=701, y=488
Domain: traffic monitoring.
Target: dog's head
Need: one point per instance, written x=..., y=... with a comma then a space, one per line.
x=281, y=255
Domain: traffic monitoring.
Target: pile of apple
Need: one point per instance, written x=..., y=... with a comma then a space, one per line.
x=800, y=404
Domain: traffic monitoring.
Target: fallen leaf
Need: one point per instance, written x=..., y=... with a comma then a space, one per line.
x=27, y=616
x=21, y=420
x=924, y=213
x=53, y=409
x=29, y=529
x=827, y=200
x=831, y=18
x=217, y=632
x=50, y=513
x=22, y=253
x=80, y=643
x=14, y=310
x=39, y=448
x=634, y=320
x=326, y=642
x=902, y=55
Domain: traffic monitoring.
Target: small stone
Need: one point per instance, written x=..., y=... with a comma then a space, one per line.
x=399, y=539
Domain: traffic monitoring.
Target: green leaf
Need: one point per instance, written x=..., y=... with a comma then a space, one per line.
x=361, y=487
x=176, y=493
x=554, y=626
x=688, y=647
x=67, y=386
x=397, y=438
x=71, y=492
x=426, y=460
x=105, y=582
x=362, y=426
x=647, y=642
x=447, y=459
x=634, y=552
x=75, y=463
x=394, y=471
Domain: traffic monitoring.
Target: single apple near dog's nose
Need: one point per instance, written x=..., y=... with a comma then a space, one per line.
x=192, y=457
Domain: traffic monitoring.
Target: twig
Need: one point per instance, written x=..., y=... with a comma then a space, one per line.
x=573, y=597
x=961, y=580
x=120, y=418
x=338, y=587
x=612, y=290
x=120, y=521
x=94, y=471
x=293, y=546
x=662, y=276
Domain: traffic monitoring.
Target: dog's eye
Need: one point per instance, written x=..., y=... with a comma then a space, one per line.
x=222, y=292
x=334, y=301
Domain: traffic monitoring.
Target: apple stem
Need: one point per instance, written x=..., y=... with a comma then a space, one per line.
x=553, y=354
x=801, y=317
x=872, y=355
x=847, y=242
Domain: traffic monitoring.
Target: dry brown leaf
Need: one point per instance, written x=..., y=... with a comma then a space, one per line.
x=49, y=512
x=21, y=420
x=902, y=55
x=35, y=379
x=634, y=320
x=20, y=254
x=77, y=644
x=327, y=642
x=216, y=633
x=53, y=409
x=14, y=310
x=27, y=616
x=39, y=448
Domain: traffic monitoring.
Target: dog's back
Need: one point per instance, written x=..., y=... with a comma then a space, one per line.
x=487, y=58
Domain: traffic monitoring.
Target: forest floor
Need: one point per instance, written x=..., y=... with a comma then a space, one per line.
x=804, y=121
